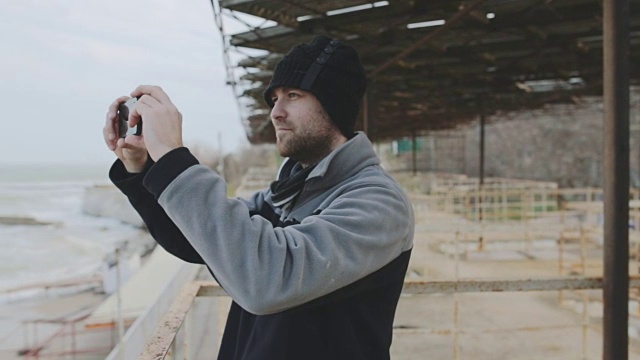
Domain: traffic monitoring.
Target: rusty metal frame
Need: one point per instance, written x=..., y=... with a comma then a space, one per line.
x=616, y=163
x=461, y=14
x=616, y=180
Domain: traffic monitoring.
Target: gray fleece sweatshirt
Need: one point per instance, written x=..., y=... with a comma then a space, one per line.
x=353, y=219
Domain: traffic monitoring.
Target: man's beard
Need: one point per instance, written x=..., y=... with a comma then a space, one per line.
x=308, y=147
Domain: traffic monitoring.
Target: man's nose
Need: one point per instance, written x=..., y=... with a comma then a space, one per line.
x=278, y=111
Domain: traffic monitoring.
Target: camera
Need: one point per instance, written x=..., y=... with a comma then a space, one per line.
x=123, y=116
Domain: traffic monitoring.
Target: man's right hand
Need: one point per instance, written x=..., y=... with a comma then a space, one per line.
x=130, y=150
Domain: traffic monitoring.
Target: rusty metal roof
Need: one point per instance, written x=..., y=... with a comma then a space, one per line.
x=438, y=64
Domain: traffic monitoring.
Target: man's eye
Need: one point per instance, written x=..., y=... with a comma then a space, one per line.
x=293, y=95
x=273, y=100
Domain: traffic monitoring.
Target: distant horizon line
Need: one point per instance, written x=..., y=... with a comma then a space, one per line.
x=56, y=163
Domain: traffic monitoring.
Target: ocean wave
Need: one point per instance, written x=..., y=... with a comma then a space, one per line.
x=66, y=246
x=47, y=291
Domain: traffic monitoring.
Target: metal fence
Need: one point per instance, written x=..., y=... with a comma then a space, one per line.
x=175, y=336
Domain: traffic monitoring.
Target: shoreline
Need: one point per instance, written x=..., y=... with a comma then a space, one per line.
x=63, y=226
x=50, y=289
x=24, y=220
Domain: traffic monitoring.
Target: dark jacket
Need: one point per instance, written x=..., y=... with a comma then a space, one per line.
x=319, y=280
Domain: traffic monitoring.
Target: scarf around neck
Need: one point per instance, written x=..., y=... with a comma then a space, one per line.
x=289, y=183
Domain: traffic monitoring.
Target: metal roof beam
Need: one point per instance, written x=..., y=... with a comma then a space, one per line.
x=463, y=12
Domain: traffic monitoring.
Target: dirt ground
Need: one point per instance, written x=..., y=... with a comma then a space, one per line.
x=505, y=325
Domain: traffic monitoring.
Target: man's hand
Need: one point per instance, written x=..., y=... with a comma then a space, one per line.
x=130, y=150
x=162, y=128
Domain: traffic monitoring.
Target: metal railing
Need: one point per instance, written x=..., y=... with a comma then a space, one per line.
x=168, y=343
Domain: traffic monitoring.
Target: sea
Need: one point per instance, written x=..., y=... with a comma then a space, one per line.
x=45, y=237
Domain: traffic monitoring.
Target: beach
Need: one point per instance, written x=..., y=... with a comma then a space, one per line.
x=55, y=252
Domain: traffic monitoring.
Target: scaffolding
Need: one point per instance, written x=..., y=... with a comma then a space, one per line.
x=528, y=271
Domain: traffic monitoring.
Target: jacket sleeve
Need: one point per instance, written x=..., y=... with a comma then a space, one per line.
x=160, y=226
x=266, y=269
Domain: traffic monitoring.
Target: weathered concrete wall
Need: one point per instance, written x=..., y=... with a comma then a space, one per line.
x=560, y=143
x=108, y=201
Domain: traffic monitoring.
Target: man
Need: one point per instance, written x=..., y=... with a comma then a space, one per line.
x=315, y=263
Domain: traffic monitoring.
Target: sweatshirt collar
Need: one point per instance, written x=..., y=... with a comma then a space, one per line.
x=346, y=160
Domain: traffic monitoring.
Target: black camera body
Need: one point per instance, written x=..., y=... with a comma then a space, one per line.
x=123, y=116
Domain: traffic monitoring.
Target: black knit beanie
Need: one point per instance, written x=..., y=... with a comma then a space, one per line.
x=330, y=70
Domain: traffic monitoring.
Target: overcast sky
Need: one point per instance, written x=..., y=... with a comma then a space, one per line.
x=63, y=62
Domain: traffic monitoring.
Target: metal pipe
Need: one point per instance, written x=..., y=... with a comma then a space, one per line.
x=365, y=112
x=371, y=110
x=119, y=317
x=482, y=144
x=616, y=180
x=461, y=14
x=481, y=240
x=548, y=283
x=414, y=151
